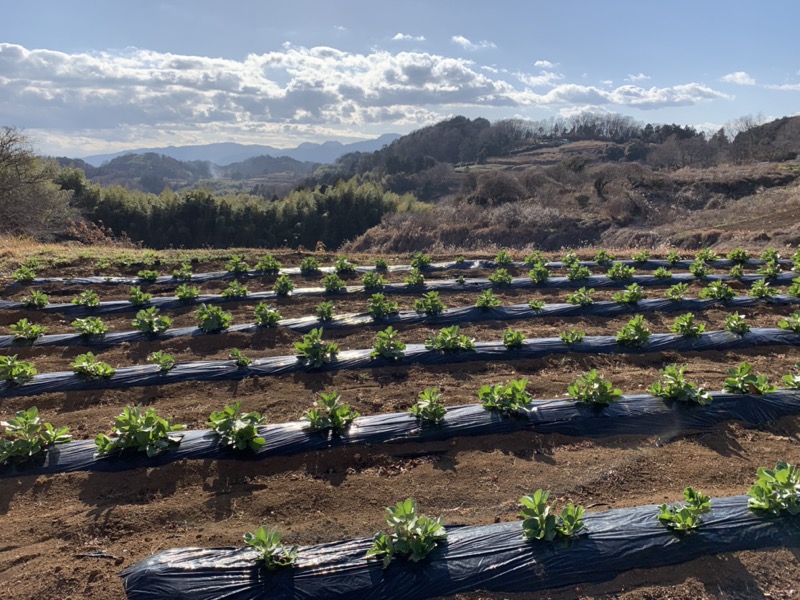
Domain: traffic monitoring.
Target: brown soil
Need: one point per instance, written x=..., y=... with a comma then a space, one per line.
x=52, y=524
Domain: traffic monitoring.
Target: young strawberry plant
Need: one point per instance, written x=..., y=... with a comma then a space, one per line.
x=539, y=273
x=776, y=490
x=793, y=290
x=430, y=304
x=537, y=304
x=513, y=338
x=137, y=297
x=325, y=311
x=333, y=284
x=379, y=306
x=16, y=371
x=737, y=324
x=234, y=290
x=570, y=259
x=699, y=269
x=578, y=272
x=268, y=265
x=420, y=261
x=150, y=321
x=792, y=380
x=187, y=293
x=412, y=536
x=581, y=297
x=620, y=272
x=147, y=432
x=89, y=366
x=25, y=330
x=684, y=325
x=572, y=336
x=212, y=319
x=238, y=358
x=37, y=299
x=283, y=286
x=762, y=290
x=717, y=290
x=89, y=299
x=273, y=554
x=487, y=301
x=429, y=407
x=90, y=326
x=741, y=380
x=662, y=273
x=313, y=352
x=673, y=257
x=267, y=316
x=738, y=255
x=237, y=429
x=673, y=386
x=309, y=266
x=373, y=280
x=459, y=279
x=26, y=436
x=343, y=266
x=533, y=258
x=677, y=292
x=450, y=339
x=147, y=275
x=791, y=323
x=381, y=264
x=415, y=278
x=539, y=521
x=503, y=259
x=501, y=278
x=683, y=517
x=506, y=399
x=770, y=255
x=459, y=261
x=388, y=345
x=23, y=275
x=632, y=294
x=634, y=333
x=237, y=265
x=770, y=269
x=603, y=257
x=706, y=255
x=184, y=273
x=328, y=414
x=591, y=388
x=165, y=361
x=736, y=271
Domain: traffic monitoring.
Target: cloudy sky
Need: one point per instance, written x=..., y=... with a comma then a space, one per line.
x=88, y=76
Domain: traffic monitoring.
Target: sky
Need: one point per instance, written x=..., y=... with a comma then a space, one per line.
x=82, y=77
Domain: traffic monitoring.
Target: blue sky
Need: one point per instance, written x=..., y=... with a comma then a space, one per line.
x=82, y=77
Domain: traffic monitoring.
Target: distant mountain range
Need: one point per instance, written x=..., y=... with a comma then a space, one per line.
x=227, y=153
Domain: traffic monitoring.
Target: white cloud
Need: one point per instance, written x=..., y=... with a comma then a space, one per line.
x=544, y=64
x=792, y=87
x=340, y=28
x=544, y=78
x=468, y=45
x=405, y=37
x=739, y=78
x=607, y=82
x=636, y=78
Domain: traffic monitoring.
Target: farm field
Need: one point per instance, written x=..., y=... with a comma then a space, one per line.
x=78, y=530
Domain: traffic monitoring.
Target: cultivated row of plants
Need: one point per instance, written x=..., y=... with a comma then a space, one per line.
x=26, y=436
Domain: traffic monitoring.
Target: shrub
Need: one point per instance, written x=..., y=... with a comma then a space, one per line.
x=776, y=490
x=25, y=330
x=577, y=272
x=537, y=304
x=620, y=272
x=90, y=326
x=187, y=293
x=137, y=297
x=673, y=257
x=234, y=290
x=412, y=536
x=237, y=265
x=683, y=517
x=503, y=259
x=506, y=399
x=792, y=323
x=236, y=429
x=717, y=290
x=26, y=436
x=266, y=316
x=501, y=278
x=762, y=290
x=706, y=255
x=343, y=266
x=147, y=432
x=14, y=371
x=165, y=361
x=539, y=521
x=147, y=275
x=513, y=338
x=450, y=339
x=738, y=255
x=635, y=333
x=381, y=264
x=677, y=292
x=212, y=319
x=149, y=321
x=662, y=273
x=591, y=388
x=325, y=310
x=742, y=381
x=684, y=325
x=88, y=298
x=239, y=359
x=328, y=414
x=736, y=323
x=632, y=294
x=313, y=352
x=387, y=345
x=539, y=273
x=373, y=280
x=309, y=266
x=184, y=273
x=430, y=304
x=640, y=257
x=581, y=297
x=603, y=257
x=23, y=275
x=268, y=265
x=673, y=386
x=572, y=336
x=89, y=366
x=415, y=278
x=487, y=300
x=420, y=261
x=273, y=554
x=283, y=285
x=37, y=299
x=699, y=269
x=429, y=407
x=379, y=306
